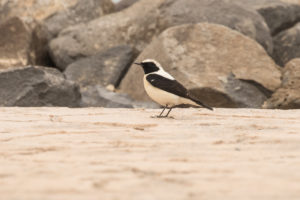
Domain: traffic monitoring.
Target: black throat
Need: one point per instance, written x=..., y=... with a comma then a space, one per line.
x=149, y=67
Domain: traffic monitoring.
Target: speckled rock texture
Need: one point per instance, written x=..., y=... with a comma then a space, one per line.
x=287, y=96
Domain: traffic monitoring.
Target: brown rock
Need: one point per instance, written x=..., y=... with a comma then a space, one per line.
x=223, y=67
x=288, y=95
x=30, y=10
x=137, y=25
x=22, y=44
x=33, y=10
x=15, y=40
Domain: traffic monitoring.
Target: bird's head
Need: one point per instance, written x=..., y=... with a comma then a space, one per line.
x=150, y=65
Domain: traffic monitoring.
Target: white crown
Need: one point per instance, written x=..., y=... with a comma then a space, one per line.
x=153, y=61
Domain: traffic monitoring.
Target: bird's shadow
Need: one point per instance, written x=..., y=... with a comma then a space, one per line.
x=162, y=117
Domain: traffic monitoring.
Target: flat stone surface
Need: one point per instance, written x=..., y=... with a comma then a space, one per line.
x=96, y=153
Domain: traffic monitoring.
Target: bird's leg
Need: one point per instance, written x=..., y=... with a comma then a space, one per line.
x=162, y=112
x=169, y=112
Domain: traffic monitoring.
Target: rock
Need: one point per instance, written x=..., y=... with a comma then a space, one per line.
x=229, y=14
x=44, y=19
x=278, y=14
x=140, y=23
x=30, y=10
x=221, y=66
x=104, y=68
x=291, y=1
x=288, y=95
x=39, y=46
x=134, y=26
x=15, y=40
x=124, y=4
x=37, y=86
x=81, y=12
x=22, y=44
x=97, y=96
x=286, y=45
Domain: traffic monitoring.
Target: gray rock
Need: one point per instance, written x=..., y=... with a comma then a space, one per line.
x=221, y=67
x=39, y=46
x=140, y=23
x=124, y=4
x=104, y=68
x=277, y=14
x=288, y=95
x=37, y=86
x=82, y=12
x=97, y=96
x=286, y=45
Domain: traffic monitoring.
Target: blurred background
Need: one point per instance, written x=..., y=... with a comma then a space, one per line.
x=79, y=53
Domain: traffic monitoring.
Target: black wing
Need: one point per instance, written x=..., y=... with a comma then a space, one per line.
x=172, y=86
x=167, y=85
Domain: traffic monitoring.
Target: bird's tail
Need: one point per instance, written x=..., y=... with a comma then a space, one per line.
x=200, y=103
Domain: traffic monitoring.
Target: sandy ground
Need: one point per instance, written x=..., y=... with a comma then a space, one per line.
x=96, y=153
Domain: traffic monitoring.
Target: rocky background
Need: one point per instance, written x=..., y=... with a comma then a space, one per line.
x=79, y=53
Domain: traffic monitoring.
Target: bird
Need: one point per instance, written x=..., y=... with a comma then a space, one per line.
x=164, y=89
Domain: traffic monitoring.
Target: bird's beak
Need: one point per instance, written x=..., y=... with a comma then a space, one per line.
x=138, y=63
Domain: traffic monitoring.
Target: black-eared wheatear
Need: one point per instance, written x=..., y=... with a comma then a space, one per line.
x=164, y=89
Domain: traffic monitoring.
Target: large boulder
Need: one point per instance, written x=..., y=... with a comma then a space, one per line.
x=82, y=12
x=104, y=68
x=234, y=16
x=286, y=45
x=221, y=66
x=37, y=86
x=288, y=95
x=277, y=14
x=144, y=20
